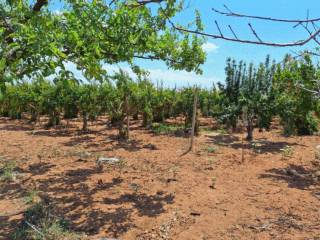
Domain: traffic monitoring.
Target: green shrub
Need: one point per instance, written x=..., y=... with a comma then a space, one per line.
x=31, y=197
x=40, y=222
x=287, y=151
x=7, y=171
x=161, y=128
x=211, y=149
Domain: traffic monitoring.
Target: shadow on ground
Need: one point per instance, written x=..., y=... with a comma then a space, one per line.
x=296, y=176
x=260, y=145
x=73, y=195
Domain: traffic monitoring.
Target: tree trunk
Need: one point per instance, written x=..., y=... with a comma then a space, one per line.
x=194, y=118
x=249, y=130
x=186, y=122
x=34, y=116
x=197, y=123
x=234, y=126
x=122, y=130
x=136, y=116
x=144, y=119
x=54, y=119
x=162, y=116
x=85, y=121
x=3, y=87
x=147, y=120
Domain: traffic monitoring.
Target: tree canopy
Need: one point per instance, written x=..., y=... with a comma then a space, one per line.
x=38, y=41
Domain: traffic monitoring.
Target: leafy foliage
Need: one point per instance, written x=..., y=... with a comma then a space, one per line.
x=39, y=42
x=248, y=94
x=41, y=222
x=257, y=94
x=297, y=107
x=121, y=98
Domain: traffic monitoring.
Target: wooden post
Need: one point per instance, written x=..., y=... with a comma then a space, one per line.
x=242, y=153
x=245, y=122
x=194, y=118
x=128, y=117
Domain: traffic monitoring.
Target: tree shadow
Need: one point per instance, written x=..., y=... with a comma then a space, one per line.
x=40, y=168
x=259, y=145
x=14, y=188
x=181, y=133
x=265, y=146
x=118, y=221
x=79, y=140
x=54, y=133
x=78, y=175
x=73, y=199
x=150, y=146
x=16, y=127
x=223, y=139
x=296, y=176
x=129, y=145
x=7, y=226
x=147, y=205
x=11, y=190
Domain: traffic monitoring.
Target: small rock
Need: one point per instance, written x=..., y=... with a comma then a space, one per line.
x=150, y=146
x=169, y=180
x=196, y=214
x=84, y=155
x=134, y=186
x=317, y=173
x=106, y=160
x=160, y=192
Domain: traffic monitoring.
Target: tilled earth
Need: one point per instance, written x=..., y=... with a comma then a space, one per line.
x=226, y=188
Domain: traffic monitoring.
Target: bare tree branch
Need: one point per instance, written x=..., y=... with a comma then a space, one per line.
x=235, y=36
x=144, y=2
x=236, y=39
x=309, y=31
x=218, y=28
x=233, y=14
x=39, y=4
x=254, y=32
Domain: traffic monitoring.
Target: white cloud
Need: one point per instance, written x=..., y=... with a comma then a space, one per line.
x=209, y=47
x=170, y=78
x=181, y=78
x=57, y=12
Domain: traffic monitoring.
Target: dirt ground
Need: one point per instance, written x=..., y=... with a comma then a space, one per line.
x=225, y=189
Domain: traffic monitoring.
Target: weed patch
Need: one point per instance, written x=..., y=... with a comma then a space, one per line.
x=40, y=222
x=161, y=128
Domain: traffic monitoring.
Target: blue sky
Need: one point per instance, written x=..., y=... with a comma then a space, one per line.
x=218, y=50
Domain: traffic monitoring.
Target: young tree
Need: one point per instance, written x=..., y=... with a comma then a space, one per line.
x=296, y=106
x=120, y=100
x=257, y=98
x=146, y=94
x=231, y=109
x=248, y=94
x=185, y=106
x=87, y=103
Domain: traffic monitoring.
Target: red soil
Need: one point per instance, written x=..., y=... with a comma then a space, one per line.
x=159, y=192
